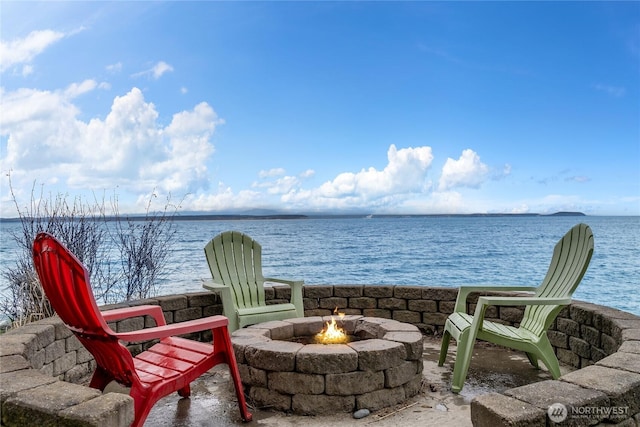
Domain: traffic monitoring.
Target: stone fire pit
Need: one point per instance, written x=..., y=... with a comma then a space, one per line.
x=381, y=368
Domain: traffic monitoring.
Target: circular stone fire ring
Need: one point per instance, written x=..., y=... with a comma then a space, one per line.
x=382, y=368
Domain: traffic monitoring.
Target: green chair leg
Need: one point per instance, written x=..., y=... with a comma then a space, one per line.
x=446, y=337
x=548, y=357
x=533, y=359
x=464, y=352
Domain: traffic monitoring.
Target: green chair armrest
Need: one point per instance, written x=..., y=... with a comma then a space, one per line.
x=464, y=291
x=285, y=281
x=296, y=292
x=523, y=301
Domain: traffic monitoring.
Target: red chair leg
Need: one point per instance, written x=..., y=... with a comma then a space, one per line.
x=185, y=391
x=222, y=343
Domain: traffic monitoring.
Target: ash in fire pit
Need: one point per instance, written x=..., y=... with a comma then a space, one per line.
x=382, y=369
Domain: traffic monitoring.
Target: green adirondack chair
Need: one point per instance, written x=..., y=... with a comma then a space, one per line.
x=235, y=261
x=570, y=260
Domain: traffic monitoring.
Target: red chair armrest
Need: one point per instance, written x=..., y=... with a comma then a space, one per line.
x=181, y=328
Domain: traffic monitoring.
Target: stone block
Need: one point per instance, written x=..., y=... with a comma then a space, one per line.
x=494, y=409
x=318, y=312
x=202, y=299
x=597, y=354
x=437, y=319
x=326, y=359
x=83, y=355
x=349, y=322
x=316, y=291
x=440, y=293
x=306, y=326
x=252, y=376
x=632, y=334
x=401, y=374
x=413, y=387
x=558, y=339
x=72, y=343
x=580, y=347
x=377, y=355
x=363, y=302
x=422, y=305
x=173, y=302
x=332, y=303
x=380, y=398
x=13, y=363
x=408, y=292
x=61, y=330
x=64, y=363
x=352, y=383
x=608, y=344
x=378, y=291
x=568, y=327
x=269, y=294
x=190, y=313
x=622, y=387
x=392, y=303
x=310, y=303
x=279, y=329
x=321, y=404
x=568, y=357
x=295, y=382
x=212, y=310
x=265, y=397
x=412, y=342
x=273, y=355
x=543, y=394
x=37, y=360
x=621, y=360
x=407, y=316
x=283, y=292
x=447, y=307
x=130, y=324
x=108, y=410
x=44, y=334
x=41, y=405
x=348, y=291
x=581, y=313
x=511, y=314
x=14, y=382
x=630, y=347
x=54, y=350
x=20, y=344
x=590, y=334
x=376, y=312
x=75, y=374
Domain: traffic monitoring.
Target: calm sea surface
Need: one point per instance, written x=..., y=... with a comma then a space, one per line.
x=423, y=251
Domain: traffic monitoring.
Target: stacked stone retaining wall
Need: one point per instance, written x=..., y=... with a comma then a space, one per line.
x=40, y=362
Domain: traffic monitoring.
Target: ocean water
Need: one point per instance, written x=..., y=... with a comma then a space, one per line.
x=422, y=251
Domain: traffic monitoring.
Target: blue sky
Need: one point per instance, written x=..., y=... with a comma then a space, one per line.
x=376, y=107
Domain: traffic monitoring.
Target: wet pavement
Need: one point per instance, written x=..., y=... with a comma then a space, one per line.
x=212, y=402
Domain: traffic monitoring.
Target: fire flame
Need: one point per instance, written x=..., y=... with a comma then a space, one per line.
x=332, y=333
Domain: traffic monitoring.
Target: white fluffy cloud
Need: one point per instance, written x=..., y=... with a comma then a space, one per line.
x=23, y=50
x=128, y=148
x=467, y=171
x=404, y=174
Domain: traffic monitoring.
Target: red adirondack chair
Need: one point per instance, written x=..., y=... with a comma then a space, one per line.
x=168, y=366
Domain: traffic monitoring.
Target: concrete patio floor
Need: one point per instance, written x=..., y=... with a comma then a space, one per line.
x=493, y=368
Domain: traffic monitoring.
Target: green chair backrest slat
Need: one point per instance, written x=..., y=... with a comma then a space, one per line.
x=569, y=263
x=235, y=260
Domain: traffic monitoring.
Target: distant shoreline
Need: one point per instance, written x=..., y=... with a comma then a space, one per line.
x=230, y=217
